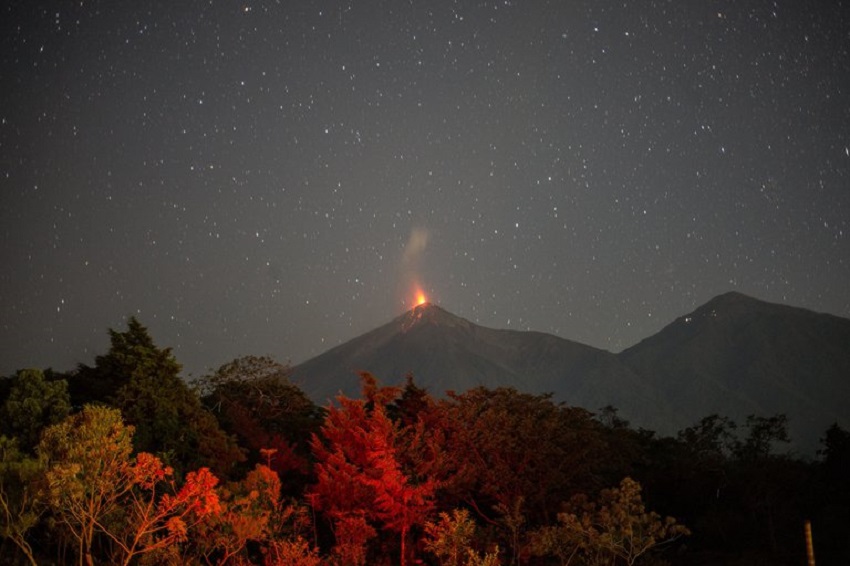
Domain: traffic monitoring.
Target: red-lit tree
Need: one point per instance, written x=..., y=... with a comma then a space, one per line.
x=158, y=513
x=399, y=502
x=253, y=511
x=358, y=469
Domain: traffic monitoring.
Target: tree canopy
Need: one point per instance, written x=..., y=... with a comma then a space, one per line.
x=125, y=463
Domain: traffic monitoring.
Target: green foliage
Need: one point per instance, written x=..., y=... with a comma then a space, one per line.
x=246, y=370
x=131, y=352
x=253, y=399
x=167, y=415
x=96, y=489
x=394, y=467
x=22, y=501
x=561, y=541
x=450, y=538
x=33, y=403
x=87, y=460
x=617, y=527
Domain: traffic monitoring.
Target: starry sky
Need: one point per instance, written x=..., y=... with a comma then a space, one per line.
x=277, y=177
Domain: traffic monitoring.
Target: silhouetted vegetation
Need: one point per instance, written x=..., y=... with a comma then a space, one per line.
x=125, y=463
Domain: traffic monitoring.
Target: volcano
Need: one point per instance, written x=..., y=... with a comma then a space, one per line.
x=734, y=356
x=445, y=352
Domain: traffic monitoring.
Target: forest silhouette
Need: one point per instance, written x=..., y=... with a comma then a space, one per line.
x=125, y=462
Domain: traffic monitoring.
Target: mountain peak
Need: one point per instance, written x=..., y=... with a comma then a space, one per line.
x=449, y=353
x=735, y=306
x=730, y=296
x=734, y=298
x=431, y=314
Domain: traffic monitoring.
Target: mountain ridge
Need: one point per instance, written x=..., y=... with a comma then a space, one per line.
x=734, y=355
x=737, y=355
x=446, y=352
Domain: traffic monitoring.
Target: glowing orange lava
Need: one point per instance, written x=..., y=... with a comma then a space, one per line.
x=421, y=299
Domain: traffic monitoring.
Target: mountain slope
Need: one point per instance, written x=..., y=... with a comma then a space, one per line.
x=734, y=356
x=445, y=352
x=737, y=356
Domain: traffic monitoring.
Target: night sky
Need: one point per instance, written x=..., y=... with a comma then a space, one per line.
x=278, y=177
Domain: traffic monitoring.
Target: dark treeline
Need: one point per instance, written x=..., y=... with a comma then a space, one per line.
x=124, y=462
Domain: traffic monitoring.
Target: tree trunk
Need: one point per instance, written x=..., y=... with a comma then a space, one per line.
x=403, y=549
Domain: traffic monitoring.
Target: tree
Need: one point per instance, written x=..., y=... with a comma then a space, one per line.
x=450, y=539
x=832, y=491
x=87, y=459
x=702, y=458
x=21, y=499
x=168, y=417
x=693, y=473
x=156, y=513
x=616, y=528
x=353, y=532
x=340, y=453
x=297, y=552
x=358, y=471
x=33, y=403
x=96, y=488
x=764, y=434
x=713, y=437
x=252, y=511
x=253, y=399
x=400, y=503
x=763, y=477
x=411, y=404
x=836, y=461
x=502, y=446
x=128, y=351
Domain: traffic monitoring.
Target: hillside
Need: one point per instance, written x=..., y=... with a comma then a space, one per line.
x=737, y=356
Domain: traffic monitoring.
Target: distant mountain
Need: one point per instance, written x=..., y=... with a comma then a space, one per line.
x=734, y=356
x=445, y=352
x=737, y=356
